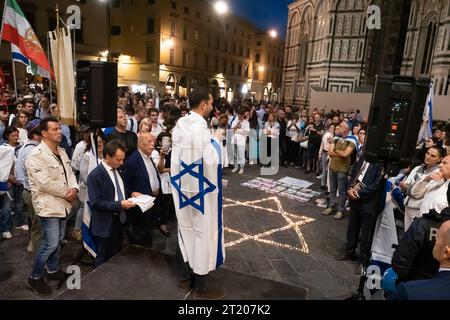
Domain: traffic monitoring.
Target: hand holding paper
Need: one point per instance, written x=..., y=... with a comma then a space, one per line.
x=144, y=202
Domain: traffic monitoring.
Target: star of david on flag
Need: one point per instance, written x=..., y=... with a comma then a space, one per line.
x=194, y=170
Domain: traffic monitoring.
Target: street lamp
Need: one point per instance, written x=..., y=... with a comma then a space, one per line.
x=168, y=43
x=273, y=33
x=221, y=7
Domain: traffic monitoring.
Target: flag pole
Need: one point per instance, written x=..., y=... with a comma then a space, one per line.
x=3, y=22
x=14, y=77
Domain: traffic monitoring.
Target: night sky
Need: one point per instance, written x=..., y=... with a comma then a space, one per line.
x=266, y=14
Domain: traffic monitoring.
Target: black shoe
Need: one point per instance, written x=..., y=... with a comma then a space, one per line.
x=345, y=257
x=308, y=171
x=39, y=286
x=57, y=276
x=323, y=188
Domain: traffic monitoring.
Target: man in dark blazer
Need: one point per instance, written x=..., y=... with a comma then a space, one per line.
x=363, y=193
x=437, y=288
x=107, y=200
x=141, y=177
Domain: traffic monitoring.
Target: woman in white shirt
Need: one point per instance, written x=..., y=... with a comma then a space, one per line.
x=293, y=131
x=327, y=139
x=240, y=129
x=433, y=157
x=21, y=124
x=272, y=131
x=433, y=189
x=162, y=161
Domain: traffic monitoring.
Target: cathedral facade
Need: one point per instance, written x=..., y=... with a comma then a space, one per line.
x=329, y=47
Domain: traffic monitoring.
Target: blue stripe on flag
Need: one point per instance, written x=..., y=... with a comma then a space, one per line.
x=220, y=257
x=16, y=56
x=88, y=239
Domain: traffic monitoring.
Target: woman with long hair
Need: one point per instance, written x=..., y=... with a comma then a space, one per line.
x=255, y=127
x=272, y=131
x=22, y=117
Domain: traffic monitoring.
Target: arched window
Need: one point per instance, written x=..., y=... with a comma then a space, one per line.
x=429, y=46
x=305, y=27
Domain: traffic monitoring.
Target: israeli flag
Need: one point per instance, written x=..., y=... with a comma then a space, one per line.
x=18, y=56
x=88, y=239
x=426, y=131
x=196, y=169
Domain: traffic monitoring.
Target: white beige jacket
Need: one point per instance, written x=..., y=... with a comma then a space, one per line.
x=48, y=182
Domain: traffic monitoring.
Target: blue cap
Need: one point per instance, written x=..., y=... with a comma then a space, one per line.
x=32, y=124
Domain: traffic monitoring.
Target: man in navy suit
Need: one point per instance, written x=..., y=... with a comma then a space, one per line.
x=108, y=202
x=141, y=177
x=437, y=288
x=364, y=190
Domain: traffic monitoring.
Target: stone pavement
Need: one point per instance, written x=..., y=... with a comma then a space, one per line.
x=300, y=254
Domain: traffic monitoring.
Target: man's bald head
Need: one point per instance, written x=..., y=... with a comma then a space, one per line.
x=344, y=128
x=146, y=143
x=441, y=250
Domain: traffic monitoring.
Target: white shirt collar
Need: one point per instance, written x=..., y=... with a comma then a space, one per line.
x=444, y=269
x=144, y=155
x=195, y=114
x=108, y=168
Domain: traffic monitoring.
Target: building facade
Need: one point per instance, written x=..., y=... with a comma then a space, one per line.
x=427, y=49
x=330, y=48
x=178, y=45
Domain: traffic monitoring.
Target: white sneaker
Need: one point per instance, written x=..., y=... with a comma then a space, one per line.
x=241, y=171
x=235, y=170
x=7, y=235
x=23, y=227
x=30, y=247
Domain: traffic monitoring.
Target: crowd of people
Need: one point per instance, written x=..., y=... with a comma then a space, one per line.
x=48, y=167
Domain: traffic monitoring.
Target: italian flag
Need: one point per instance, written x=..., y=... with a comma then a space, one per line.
x=18, y=31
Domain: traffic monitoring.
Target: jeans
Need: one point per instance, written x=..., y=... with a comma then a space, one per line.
x=338, y=182
x=5, y=211
x=6, y=200
x=53, y=230
x=18, y=206
x=239, y=155
x=324, y=160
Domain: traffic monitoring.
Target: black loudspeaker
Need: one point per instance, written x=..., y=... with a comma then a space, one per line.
x=97, y=93
x=395, y=119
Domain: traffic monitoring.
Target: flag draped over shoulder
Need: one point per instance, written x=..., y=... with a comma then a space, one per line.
x=197, y=191
x=6, y=162
x=17, y=30
x=62, y=55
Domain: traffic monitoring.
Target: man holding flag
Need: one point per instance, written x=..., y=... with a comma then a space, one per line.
x=197, y=188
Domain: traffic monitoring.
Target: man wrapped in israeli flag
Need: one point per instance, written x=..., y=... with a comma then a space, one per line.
x=196, y=171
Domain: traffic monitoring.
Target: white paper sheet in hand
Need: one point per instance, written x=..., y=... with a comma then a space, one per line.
x=144, y=202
